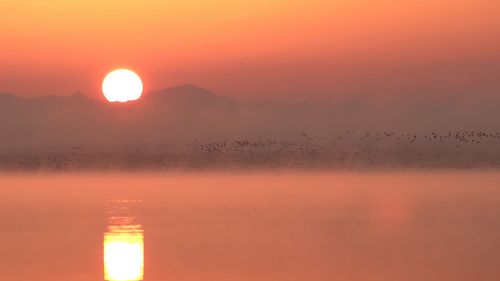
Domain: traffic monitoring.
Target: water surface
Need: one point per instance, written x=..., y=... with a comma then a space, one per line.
x=253, y=226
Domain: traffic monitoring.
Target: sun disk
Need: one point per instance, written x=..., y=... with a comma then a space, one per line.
x=122, y=85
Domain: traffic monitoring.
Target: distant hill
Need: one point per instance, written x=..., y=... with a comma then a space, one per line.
x=188, y=96
x=189, y=112
x=159, y=115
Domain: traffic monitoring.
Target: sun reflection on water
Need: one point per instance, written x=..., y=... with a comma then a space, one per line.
x=123, y=243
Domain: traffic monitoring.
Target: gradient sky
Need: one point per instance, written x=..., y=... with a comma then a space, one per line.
x=258, y=49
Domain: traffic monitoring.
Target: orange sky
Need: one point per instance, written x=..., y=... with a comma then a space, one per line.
x=259, y=49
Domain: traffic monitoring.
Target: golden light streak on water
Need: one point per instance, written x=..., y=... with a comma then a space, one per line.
x=123, y=244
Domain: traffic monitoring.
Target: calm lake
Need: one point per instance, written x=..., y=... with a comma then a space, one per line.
x=251, y=226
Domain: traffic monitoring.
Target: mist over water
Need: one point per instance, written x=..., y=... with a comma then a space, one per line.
x=253, y=226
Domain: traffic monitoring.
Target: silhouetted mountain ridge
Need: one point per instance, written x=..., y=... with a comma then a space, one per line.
x=188, y=95
x=187, y=112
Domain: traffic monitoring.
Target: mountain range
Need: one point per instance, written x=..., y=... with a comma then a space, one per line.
x=189, y=112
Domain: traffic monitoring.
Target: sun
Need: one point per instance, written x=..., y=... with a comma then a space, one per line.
x=122, y=85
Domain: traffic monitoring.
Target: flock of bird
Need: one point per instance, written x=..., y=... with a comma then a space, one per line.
x=349, y=150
